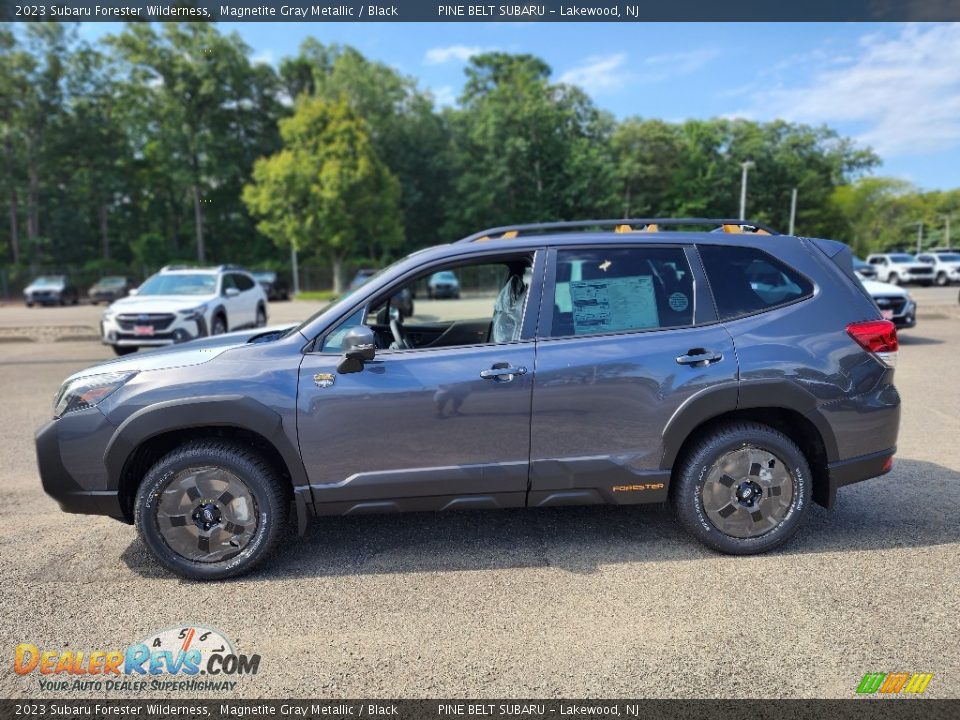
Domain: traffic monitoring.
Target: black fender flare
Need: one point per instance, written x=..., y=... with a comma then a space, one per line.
x=715, y=401
x=237, y=411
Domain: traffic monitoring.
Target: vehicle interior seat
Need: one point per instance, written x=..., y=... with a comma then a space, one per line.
x=508, y=311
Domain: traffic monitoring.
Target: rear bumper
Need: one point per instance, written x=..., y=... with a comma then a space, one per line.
x=854, y=470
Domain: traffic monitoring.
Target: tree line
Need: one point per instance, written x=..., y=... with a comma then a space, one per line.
x=168, y=143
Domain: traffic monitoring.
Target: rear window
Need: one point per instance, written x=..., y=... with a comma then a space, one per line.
x=746, y=280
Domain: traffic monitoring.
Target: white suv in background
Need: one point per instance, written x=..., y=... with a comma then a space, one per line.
x=946, y=266
x=181, y=303
x=901, y=268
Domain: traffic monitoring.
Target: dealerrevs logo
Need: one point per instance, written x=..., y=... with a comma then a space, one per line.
x=172, y=659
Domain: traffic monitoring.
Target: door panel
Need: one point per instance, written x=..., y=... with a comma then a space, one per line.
x=417, y=429
x=600, y=405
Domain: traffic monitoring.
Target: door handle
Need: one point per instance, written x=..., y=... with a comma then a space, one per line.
x=502, y=372
x=698, y=357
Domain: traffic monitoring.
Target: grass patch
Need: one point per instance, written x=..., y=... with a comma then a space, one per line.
x=314, y=295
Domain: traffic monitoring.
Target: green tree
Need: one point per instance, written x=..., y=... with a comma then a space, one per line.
x=407, y=134
x=326, y=191
x=204, y=112
x=524, y=149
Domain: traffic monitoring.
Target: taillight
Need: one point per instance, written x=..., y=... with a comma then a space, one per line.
x=878, y=337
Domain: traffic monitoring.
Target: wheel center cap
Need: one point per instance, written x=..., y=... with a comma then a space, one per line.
x=748, y=492
x=206, y=516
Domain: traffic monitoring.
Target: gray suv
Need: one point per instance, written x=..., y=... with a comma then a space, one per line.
x=735, y=373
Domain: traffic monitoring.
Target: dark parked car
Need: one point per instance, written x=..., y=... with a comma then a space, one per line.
x=109, y=289
x=273, y=284
x=51, y=290
x=738, y=376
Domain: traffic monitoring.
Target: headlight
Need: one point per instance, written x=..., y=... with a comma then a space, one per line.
x=193, y=313
x=109, y=313
x=88, y=392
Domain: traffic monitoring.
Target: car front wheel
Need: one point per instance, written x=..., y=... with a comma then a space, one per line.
x=742, y=489
x=124, y=349
x=261, y=320
x=219, y=326
x=211, y=509
x=942, y=279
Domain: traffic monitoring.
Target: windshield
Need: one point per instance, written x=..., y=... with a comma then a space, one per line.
x=949, y=257
x=113, y=281
x=180, y=284
x=444, y=276
x=265, y=276
x=902, y=258
x=50, y=280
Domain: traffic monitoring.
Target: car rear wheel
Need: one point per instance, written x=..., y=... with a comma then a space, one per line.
x=211, y=509
x=261, y=320
x=742, y=489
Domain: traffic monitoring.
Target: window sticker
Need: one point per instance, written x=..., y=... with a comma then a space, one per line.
x=612, y=304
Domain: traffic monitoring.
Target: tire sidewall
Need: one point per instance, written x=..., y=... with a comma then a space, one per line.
x=148, y=498
x=690, y=494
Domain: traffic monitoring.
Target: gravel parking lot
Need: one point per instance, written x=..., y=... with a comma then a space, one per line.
x=567, y=602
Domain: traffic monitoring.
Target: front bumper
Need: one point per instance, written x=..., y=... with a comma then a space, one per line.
x=70, y=459
x=43, y=298
x=907, y=317
x=179, y=331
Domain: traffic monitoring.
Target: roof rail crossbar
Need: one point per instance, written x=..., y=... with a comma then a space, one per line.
x=619, y=225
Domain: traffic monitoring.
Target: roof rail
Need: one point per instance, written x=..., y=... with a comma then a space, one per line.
x=619, y=225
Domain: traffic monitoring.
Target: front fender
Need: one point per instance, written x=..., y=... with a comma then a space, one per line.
x=237, y=411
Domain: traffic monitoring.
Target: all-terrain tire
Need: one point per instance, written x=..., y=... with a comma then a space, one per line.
x=271, y=499
x=700, y=462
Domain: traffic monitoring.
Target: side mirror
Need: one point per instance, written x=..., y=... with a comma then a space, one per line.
x=133, y=291
x=231, y=292
x=359, y=345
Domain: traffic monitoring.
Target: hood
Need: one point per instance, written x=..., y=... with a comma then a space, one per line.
x=46, y=286
x=878, y=288
x=195, y=352
x=159, y=303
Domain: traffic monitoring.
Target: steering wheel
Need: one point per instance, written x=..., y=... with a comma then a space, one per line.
x=398, y=338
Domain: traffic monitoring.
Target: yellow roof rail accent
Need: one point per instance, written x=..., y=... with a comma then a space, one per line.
x=623, y=229
x=760, y=231
x=652, y=227
x=733, y=229
x=510, y=234
x=482, y=239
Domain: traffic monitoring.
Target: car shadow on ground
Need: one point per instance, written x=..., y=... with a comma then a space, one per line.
x=911, y=339
x=913, y=506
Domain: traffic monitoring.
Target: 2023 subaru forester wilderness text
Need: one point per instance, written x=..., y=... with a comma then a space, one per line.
x=737, y=374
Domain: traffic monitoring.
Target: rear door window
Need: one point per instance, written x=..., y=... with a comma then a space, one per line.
x=746, y=280
x=609, y=290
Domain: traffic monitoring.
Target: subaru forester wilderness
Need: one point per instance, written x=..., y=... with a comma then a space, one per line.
x=735, y=373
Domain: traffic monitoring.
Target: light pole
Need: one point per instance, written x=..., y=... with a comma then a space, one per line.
x=793, y=211
x=296, y=270
x=919, y=225
x=745, y=167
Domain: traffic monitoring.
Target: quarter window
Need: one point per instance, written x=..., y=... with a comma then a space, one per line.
x=607, y=290
x=746, y=280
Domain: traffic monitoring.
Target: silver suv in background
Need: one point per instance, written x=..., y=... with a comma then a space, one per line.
x=183, y=303
x=900, y=269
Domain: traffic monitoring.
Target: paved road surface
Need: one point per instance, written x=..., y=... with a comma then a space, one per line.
x=574, y=602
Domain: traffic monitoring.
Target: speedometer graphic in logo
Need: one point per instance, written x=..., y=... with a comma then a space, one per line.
x=183, y=639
